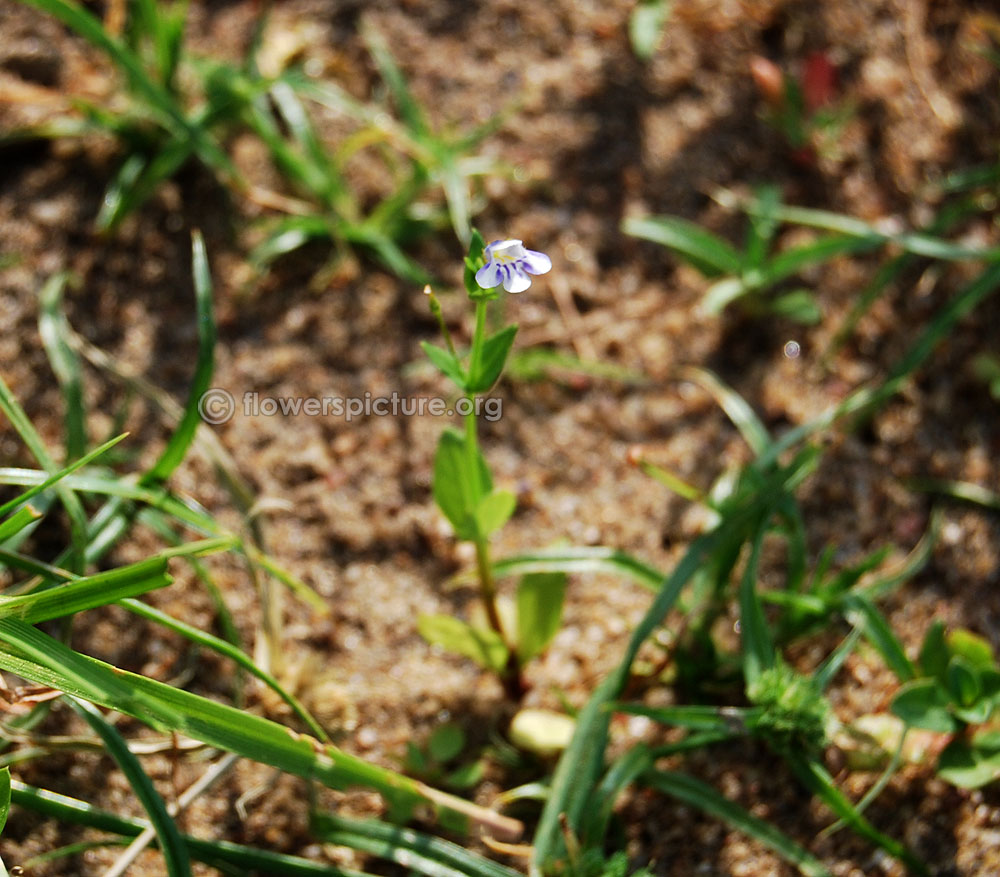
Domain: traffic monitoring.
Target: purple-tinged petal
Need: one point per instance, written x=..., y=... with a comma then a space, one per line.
x=535, y=263
x=516, y=281
x=488, y=277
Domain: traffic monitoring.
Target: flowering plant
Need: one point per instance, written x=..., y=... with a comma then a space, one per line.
x=463, y=485
x=509, y=263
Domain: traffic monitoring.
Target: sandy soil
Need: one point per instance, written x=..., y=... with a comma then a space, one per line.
x=599, y=136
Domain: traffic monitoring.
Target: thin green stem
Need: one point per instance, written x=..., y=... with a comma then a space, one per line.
x=511, y=674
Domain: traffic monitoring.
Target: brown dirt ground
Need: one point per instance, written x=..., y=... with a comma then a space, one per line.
x=599, y=136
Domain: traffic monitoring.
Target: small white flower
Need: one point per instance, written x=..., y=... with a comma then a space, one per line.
x=509, y=263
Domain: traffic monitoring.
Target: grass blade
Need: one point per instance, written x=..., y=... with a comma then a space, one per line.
x=757, y=644
x=17, y=522
x=695, y=793
x=707, y=252
x=581, y=560
x=174, y=851
x=861, y=612
x=87, y=593
x=744, y=418
x=419, y=853
x=180, y=441
x=33, y=655
x=58, y=476
x=219, y=854
x=52, y=328
x=814, y=777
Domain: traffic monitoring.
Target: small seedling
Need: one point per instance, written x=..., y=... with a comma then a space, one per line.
x=441, y=762
x=957, y=687
x=806, y=110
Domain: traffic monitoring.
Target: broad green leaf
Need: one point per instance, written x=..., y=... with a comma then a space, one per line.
x=973, y=763
x=446, y=363
x=963, y=682
x=923, y=703
x=461, y=480
x=493, y=511
x=539, y=612
x=974, y=649
x=709, y=253
x=491, y=362
x=485, y=647
x=446, y=742
x=934, y=653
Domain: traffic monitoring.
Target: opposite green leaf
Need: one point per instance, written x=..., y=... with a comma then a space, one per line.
x=461, y=480
x=971, y=764
x=483, y=646
x=446, y=363
x=976, y=650
x=492, y=360
x=923, y=703
x=934, y=655
x=494, y=510
x=539, y=612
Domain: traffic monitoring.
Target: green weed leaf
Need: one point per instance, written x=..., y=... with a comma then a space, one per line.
x=799, y=306
x=539, y=612
x=491, y=362
x=493, y=511
x=461, y=480
x=446, y=363
x=923, y=703
x=708, y=253
x=971, y=764
x=934, y=653
x=483, y=646
x=446, y=743
x=963, y=682
x=974, y=649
